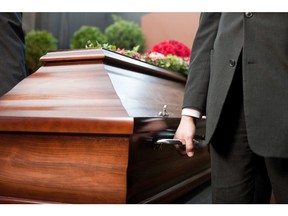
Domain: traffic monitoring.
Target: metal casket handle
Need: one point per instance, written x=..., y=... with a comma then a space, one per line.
x=166, y=138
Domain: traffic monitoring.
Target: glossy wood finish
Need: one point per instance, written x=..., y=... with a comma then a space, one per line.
x=65, y=168
x=78, y=98
x=159, y=174
x=73, y=132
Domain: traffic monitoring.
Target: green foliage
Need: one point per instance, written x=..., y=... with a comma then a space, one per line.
x=84, y=34
x=125, y=34
x=170, y=62
x=107, y=46
x=37, y=45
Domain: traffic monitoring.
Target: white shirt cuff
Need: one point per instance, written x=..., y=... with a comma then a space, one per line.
x=191, y=112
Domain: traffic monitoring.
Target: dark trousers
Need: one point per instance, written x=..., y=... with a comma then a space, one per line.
x=239, y=175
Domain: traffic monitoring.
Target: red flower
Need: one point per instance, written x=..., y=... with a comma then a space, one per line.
x=172, y=47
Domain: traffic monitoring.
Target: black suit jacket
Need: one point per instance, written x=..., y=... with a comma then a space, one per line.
x=12, y=51
x=263, y=39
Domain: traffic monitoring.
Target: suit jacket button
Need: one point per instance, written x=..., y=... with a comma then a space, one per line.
x=232, y=63
x=248, y=14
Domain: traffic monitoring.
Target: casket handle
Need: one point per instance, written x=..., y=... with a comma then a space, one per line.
x=167, y=138
x=199, y=142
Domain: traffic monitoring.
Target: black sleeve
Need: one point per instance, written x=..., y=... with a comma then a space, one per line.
x=12, y=51
x=199, y=70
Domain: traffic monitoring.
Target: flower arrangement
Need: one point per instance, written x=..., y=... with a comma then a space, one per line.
x=170, y=62
x=172, y=47
x=166, y=60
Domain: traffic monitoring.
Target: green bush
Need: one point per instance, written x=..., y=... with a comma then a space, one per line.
x=37, y=44
x=125, y=34
x=84, y=34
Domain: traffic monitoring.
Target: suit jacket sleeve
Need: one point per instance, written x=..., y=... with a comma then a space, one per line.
x=199, y=70
x=12, y=51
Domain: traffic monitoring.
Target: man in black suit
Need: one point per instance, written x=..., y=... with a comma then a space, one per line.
x=12, y=51
x=238, y=78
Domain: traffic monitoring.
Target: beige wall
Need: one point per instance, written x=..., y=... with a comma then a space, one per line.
x=180, y=26
x=28, y=22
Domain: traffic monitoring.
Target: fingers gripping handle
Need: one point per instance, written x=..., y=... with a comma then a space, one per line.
x=198, y=142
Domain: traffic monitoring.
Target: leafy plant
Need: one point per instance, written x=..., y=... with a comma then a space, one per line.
x=125, y=34
x=84, y=34
x=37, y=44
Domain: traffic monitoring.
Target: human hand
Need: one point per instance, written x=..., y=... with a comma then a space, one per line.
x=186, y=132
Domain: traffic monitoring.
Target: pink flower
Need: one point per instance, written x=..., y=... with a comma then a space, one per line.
x=155, y=55
x=121, y=51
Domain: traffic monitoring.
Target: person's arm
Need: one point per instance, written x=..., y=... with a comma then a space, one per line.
x=12, y=51
x=198, y=79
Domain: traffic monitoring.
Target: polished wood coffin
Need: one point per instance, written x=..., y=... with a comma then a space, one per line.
x=82, y=129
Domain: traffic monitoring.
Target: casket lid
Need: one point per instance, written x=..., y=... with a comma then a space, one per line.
x=78, y=91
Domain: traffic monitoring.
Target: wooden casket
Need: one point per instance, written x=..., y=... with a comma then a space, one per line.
x=82, y=129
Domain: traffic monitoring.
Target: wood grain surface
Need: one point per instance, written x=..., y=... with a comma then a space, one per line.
x=78, y=98
x=64, y=168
